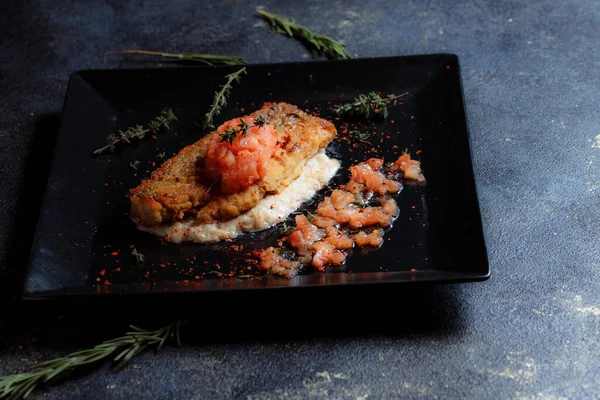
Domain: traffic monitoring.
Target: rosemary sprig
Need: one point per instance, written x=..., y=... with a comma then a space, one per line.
x=160, y=155
x=220, y=99
x=363, y=104
x=139, y=257
x=19, y=386
x=287, y=26
x=163, y=121
x=309, y=215
x=230, y=134
x=362, y=137
x=209, y=59
x=134, y=164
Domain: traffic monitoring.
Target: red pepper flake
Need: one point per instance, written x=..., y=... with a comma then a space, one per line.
x=114, y=253
x=162, y=265
x=102, y=272
x=118, y=270
x=418, y=152
x=447, y=68
x=154, y=137
x=107, y=282
x=424, y=225
x=97, y=279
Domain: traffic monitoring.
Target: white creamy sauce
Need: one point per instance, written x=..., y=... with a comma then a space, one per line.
x=270, y=211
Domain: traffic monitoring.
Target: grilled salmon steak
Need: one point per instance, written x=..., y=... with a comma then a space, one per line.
x=230, y=170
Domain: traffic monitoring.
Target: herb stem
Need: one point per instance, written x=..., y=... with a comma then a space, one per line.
x=19, y=386
x=137, y=135
x=164, y=120
x=210, y=59
x=221, y=96
x=363, y=104
x=321, y=43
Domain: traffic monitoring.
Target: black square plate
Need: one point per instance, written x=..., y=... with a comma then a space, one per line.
x=84, y=236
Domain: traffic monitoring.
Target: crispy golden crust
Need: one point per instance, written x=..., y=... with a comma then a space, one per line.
x=178, y=189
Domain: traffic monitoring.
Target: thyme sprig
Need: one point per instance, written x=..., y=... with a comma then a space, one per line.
x=287, y=26
x=163, y=121
x=210, y=59
x=230, y=134
x=221, y=96
x=139, y=257
x=309, y=215
x=363, y=104
x=19, y=386
x=361, y=137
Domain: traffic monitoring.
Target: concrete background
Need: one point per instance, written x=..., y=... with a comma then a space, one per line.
x=531, y=79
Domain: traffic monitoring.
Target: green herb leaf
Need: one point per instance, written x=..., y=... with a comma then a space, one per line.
x=139, y=257
x=221, y=97
x=163, y=121
x=209, y=59
x=362, y=137
x=321, y=43
x=260, y=121
x=286, y=228
x=230, y=134
x=363, y=105
x=18, y=386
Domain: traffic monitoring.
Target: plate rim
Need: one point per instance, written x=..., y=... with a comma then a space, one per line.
x=465, y=277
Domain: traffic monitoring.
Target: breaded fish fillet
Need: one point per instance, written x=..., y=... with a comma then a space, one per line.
x=179, y=189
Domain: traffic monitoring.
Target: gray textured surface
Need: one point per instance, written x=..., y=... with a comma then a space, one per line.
x=532, y=87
